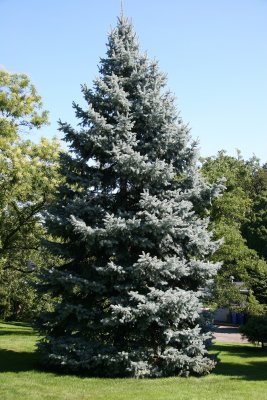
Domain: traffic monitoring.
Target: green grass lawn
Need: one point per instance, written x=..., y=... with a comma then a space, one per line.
x=241, y=374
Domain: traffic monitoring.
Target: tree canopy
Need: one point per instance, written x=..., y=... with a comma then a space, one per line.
x=233, y=218
x=29, y=174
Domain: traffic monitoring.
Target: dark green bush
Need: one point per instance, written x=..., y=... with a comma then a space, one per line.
x=255, y=329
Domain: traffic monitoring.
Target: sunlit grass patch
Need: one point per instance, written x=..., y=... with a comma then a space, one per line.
x=240, y=375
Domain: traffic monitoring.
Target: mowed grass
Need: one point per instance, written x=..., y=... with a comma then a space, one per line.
x=241, y=374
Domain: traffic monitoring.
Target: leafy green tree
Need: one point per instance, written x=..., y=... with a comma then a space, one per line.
x=237, y=298
x=135, y=250
x=229, y=214
x=255, y=229
x=19, y=298
x=236, y=201
x=29, y=174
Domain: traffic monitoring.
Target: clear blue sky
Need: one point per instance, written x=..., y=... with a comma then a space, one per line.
x=214, y=52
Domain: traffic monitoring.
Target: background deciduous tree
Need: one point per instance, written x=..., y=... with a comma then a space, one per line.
x=255, y=228
x=28, y=179
x=234, y=217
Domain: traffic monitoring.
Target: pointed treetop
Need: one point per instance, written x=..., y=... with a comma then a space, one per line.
x=122, y=9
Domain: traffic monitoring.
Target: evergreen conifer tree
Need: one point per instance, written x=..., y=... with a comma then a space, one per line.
x=129, y=226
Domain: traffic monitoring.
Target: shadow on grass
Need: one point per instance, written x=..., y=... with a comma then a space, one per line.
x=245, y=351
x=17, y=333
x=16, y=323
x=13, y=361
x=254, y=370
x=16, y=328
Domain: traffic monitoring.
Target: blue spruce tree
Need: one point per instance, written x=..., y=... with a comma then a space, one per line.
x=129, y=225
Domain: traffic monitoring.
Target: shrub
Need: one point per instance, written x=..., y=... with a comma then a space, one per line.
x=255, y=329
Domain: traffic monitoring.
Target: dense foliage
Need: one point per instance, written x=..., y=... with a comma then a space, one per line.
x=27, y=182
x=234, y=218
x=255, y=329
x=127, y=223
x=255, y=229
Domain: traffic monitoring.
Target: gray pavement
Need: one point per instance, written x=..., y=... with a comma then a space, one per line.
x=228, y=334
